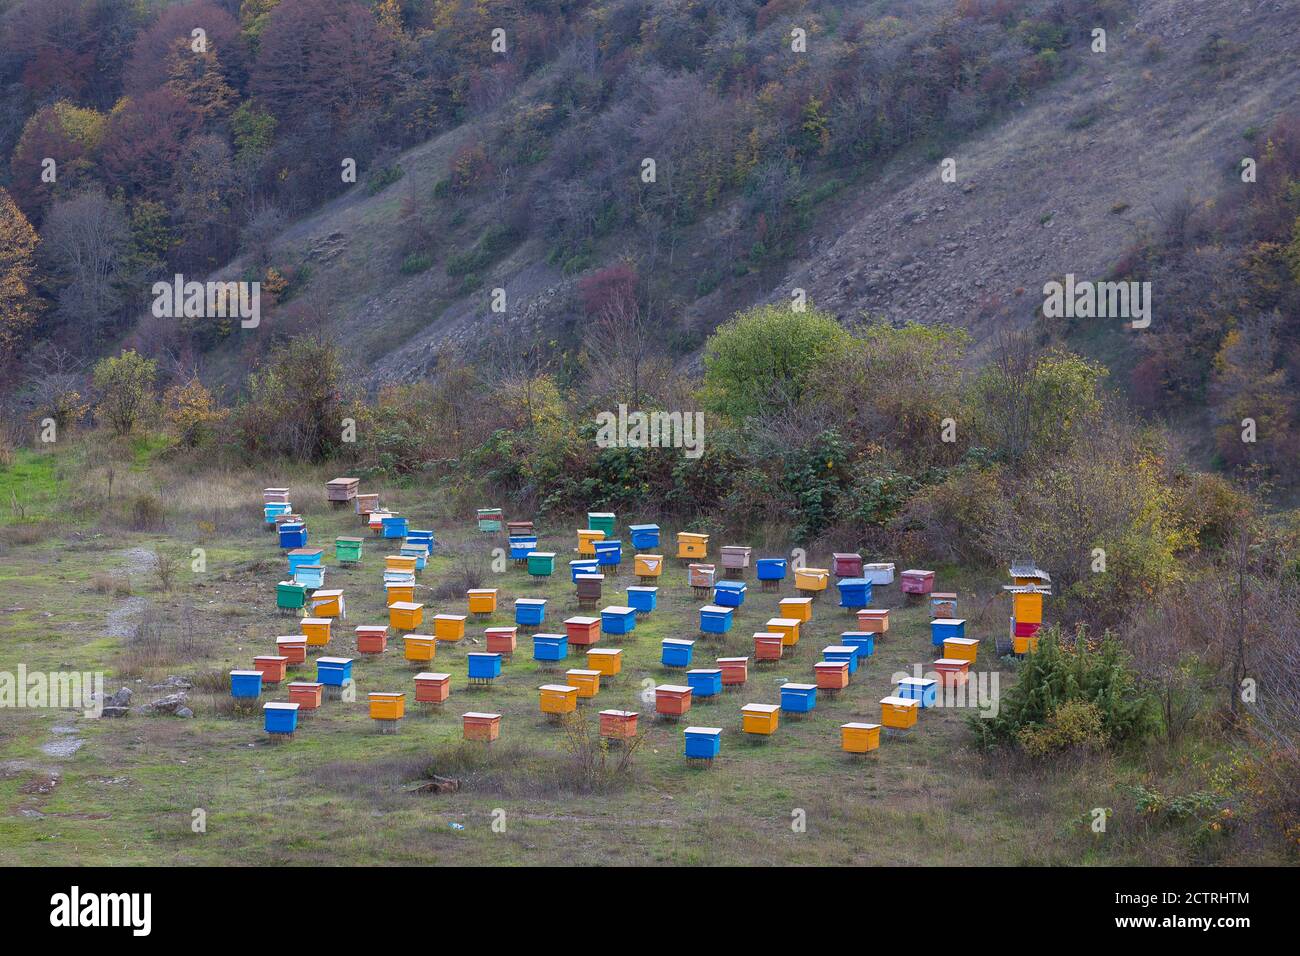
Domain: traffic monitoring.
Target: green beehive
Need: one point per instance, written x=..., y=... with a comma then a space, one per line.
x=489, y=519
x=601, y=521
x=347, y=550
x=541, y=563
x=290, y=596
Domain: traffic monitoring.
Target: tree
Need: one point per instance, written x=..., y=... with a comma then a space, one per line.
x=18, y=302
x=86, y=238
x=125, y=387
x=192, y=413
x=65, y=133
x=144, y=141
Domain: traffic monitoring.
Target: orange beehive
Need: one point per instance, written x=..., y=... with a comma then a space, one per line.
x=479, y=726
x=272, y=667
x=648, y=565
x=607, y=661
x=735, y=670
x=482, y=600
x=832, y=675
x=399, y=592
x=672, y=700
x=1024, y=645
x=873, y=620
x=372, y=639
x=787, y=627
x=293, y=647
x=501, y=640
x=587, y=682
x=811, y=579
x=859, y=738
x=760, y=718
x=797, y=608
x=618, y=724
x=387, y=706
x=327, y=603
x=420, y=648
x=306, y=694
x=899, y=713
x=952, y=671
x=431, y=688
x=405, y=615
x=556, y=699
x=587, y=538
x=317, y=630
x=961, y=648
x=449, y=627
x=400, y=562
x=768, y=646
x=582, y=631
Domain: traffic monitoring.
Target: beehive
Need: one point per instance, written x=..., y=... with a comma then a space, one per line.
x=609, y=554
x=644, y=536
x=395, y=593
x=489, y=519
x=846, y=564
x=943, y=604
x=873, y=620
x=501, y=640
x=420, y=648
x=1027, y=606
x=760, y=719
x=550, y=647
x=400, y=562
x=422, y=537
x=278, y=495
x=405, y=615
x=648, y=565
x=729, y=593
x=328, y=603
x=341, y=489
x=393, y=526
x=521, y=546
x=691, y=545
x=375, y=521
x=293, y=535
x=481, y=726
x=316, y=630
x=701, y=575
x=676, y=653
x=879, y=574
x=541, y=564
x=618, y=724
x=347, y=550
x=608, y=661
x=715, y=619
x=583, y=566
x=449, y=627
x=672, y=700
x=556, y=699
x=587, y=681
x=705, y=681
x=386, y=706
x=280, y=718
x=798, y=698
x=854, y=592
x=589, y=588
x=601, y=521
x=787, y=627
x=703, y=743
x=530, y=612
x=273, y=510
x=483, y=667
x=582, y=631
x=299, y=557
x=246, y=684
x=831, y=675
x=735, y=671
x=364, y=504
x=952, y=671
x=1024, y=645
x=942, y=628
x=293, y=647
x=587, y=539
x=372, y=639
x=416, y=551
x=520, y=527
x=858, y=738
x=920, y=689
x=334, y=671
x=482, y=600
x=736, y=557
x=432, y=688
x=272, y=666
x=770, y=569
x=618, y=619
x=306, y=694
x=768, y=646
x=916, y=581
x=899, y=713
x=310, y=576
x=811, y=580
x=290, y=595
x=961, y=648
x=643, y=600
x=842, y=652
x=797, y=608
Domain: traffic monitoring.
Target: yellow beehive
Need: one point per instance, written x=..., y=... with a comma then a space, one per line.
x=405, y=615
x=482, y=600
x=587, y=682
x=787, y=627
x=797, y=608
x=899, y=712
x=760, y=718
x=1024, y=645
x=558, y=698
x=317, y=630
x=449, y=627
x=587, y=538
x=608, y=661
x=691, y=545
x=811, y=579
x=385, y=706
x=399, y=592
x=1027, y=608
x=859, y=738
x=327, y=603
x=648, y=565
x=961, y=648
x=420, y=647
x=400, y=562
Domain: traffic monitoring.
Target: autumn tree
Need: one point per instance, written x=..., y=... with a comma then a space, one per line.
x=144, y=141
x=18, y=302
x=124, y=385
x=64, y=133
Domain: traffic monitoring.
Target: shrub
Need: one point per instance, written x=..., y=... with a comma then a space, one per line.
x=1075, y=725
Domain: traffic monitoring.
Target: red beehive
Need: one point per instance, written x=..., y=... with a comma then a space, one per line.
x=832, y=675
x=501, y=640
x=372, y=638
x=735, y=670
x=848, y=565
x=672, y=700
x=482, y=726
x=952, y=671
x=767, y=647
x=432, y=688
x=306, y=694
x=293, y=648
x=272, y=667
x=916, y=582
x=1026, y=629
x=582, y=631
x=873, y=620
x=619, y=724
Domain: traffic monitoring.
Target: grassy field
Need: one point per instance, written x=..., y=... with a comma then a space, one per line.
x=83, y=593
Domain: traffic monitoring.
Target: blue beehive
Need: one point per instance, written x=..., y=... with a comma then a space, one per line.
x=618, y=620
x=865, y=643
x=521, y=545
x=703, y=743
x=715, y=619
x=484, y=666
x=550, y=647
x=798, y=698
x=854, y=592
x=245, y=683
x=333, y=671
x=642, y=599
x=394, y=526
x=609, y=554
x=705, y=681
x=583, y=566
x=416, y=551
x=293, y=534
x=644, y=536
x=274, y=510
x=918, y=688
x=280, y=717
x=942, y=628
x=299, y=557
x=530, y=612
x=677, y=652
x=729, y=593
x=771, y=569
x=420, y=536
x=310, y=576
x=842, y=652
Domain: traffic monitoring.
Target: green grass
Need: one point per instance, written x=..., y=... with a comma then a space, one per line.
x=29, y=487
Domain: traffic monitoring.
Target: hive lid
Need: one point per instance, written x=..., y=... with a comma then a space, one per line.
x=349, y=539
x=622, y=714
x=705, y=731
x=704, y=670
x=792, y=686
x=279, y=705
x=292, y=639
x=846, y=554
x=333, y=660
x=853, y=582
x=245, y=673
x=736, y=660
x=666, y=688
x=372, y=627
x=314, y=620
x=918, y=571
x=559, y=688
x=419, y=637
x=679, y=640
x=856, y=726
x=552, y=637
x=761, y=708
x=827, y=665
x=605, y=651
x=386, y=694
x=766, y=635
x=617, y=609
x=480, y=715
x=541, y=554
x=951, y=662
x=582, y=672
x=796, y=600
x=943, y=595
x=879, y=566
x=597, y=576
x=501, y=629
x=448, y=617
x=949, y=620
x=482, y=591
x=530, y=600
x=692, y=534
x=714, y=609
x=961, y=640
x=639, y=588
x=405, y=606
x=483, y=654
x=305, y=683
x=782, y=621
x=432, y=675
x=900, y=701
x=643, y=527
x=844, y=635
x=839, y=649
x=582, y=620
x=916, y=681
x=270, y=657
